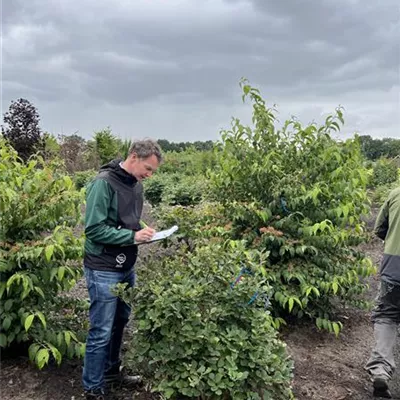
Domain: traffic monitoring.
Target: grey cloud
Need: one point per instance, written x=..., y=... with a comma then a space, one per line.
x=100, y=55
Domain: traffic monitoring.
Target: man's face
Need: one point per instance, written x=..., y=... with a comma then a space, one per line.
x=142, y=168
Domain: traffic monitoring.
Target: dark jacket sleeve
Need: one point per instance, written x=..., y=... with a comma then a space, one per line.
x=382, y=222
x=98, y=200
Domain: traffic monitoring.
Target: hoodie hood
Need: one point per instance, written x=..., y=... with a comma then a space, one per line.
x=115, y=168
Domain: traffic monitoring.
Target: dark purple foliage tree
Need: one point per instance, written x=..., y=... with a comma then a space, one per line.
x=22, y=130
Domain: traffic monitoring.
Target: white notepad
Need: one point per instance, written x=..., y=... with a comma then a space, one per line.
x=161, y=235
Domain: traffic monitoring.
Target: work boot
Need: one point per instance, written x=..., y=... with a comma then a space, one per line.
x=381, y=387
x=97, y=394
x=119, y=377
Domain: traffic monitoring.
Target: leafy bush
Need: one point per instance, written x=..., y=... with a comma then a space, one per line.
x=385, y=171
x=107, y=145
x=175, y=189
x=379, y=194
x=82, y=178
x=298, y=195
x=188, y=162
x=200, y=335
x=40, y=255
x=202, y=221
x=188, y=191
x=155, y=186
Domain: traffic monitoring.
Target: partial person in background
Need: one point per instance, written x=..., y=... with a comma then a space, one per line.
x=113, y=226
x=386, y=314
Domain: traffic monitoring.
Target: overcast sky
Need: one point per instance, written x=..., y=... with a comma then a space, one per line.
x=171, y=68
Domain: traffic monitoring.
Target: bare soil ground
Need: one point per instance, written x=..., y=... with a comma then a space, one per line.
x=326, y=368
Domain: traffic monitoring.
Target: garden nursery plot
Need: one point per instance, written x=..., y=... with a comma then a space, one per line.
x=264, y=292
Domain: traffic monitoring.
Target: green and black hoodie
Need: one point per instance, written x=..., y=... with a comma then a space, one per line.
x=114, y=203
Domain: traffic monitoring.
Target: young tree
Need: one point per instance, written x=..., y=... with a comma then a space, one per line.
x=107, y=145
x=298, y=195
x=51, y=148
x=22, y=130
x=40, y=255
x=72, y=149
x=125, y=147
x=90, y=156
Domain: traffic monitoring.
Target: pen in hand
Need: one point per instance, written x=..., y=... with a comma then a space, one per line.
x=144, y=234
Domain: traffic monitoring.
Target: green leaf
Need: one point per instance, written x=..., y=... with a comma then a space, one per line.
x=67, y=336
x=42, y=318
x=42, y=357
x=28, y=321
x=298, y=302
x=73, y=336
x=53, y=273
x=24, y=294
x=49, y=251
x=39, y=291
x=3, y=340
x=8, y=304
x=6, y=323
x=168, y=393
x=12, y=279
x=59, y=339
x=2, y=289
x=38, y=251
x=316, y=292
x=336, y=328
x=10, y=338
x=33, y=349
x=5, y=266
x=68, y=181
x=82, y=350
x=61, y=271
x=291, y=303
x=18, y=180
x=56, y=354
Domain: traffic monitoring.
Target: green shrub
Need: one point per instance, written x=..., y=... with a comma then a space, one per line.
x=155, y=186
x=189, y=190
x=40, y=255
x=298, y=195
x=175, y=189
x=385, y=171
x=82, y=178
x=188, y=162
x=379, y=194
x=198, y=336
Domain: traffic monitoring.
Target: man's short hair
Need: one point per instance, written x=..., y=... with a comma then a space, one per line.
x=146, y=148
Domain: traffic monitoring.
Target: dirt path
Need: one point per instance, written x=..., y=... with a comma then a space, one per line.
x=326, y=368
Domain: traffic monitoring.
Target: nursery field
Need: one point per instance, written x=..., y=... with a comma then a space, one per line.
x=264, y=293
x=326, y=368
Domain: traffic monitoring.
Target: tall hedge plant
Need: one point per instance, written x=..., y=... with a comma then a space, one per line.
x=40, y=252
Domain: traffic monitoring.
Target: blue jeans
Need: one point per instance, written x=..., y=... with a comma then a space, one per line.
x=108, y=316
x=386, y=318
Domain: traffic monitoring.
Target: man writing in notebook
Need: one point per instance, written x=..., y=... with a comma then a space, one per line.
x=114, y=202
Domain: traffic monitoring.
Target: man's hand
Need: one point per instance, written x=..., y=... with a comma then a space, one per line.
x=144, y=235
